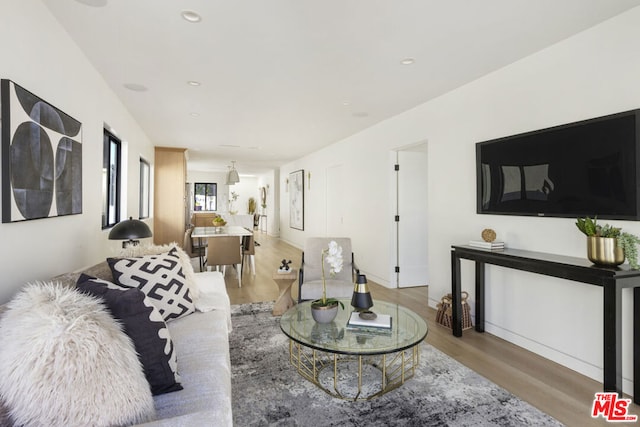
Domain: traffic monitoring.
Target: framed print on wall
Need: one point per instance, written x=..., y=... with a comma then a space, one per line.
x=41, y=157
x=296, y=200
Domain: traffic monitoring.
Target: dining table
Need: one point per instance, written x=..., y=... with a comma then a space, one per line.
x=224, y=231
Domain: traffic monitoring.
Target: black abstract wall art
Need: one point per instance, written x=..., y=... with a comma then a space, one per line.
x=41, y=157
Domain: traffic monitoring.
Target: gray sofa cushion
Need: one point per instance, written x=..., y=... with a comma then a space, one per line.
x=100, y=271
x=202, y=345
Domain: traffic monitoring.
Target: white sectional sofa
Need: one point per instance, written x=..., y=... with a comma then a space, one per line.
x=202, y=343
x=200, y=340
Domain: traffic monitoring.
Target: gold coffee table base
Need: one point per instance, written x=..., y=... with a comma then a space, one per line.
x=394, y=369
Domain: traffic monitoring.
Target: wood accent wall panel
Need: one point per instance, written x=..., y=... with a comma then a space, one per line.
x=169, y=195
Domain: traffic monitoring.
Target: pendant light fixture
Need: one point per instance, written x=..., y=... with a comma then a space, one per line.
x=232, y=176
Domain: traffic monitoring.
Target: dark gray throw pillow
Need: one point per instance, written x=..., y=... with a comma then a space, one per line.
x=146, y=328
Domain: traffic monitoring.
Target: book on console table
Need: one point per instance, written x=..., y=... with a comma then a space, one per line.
x=382, y=321
x=494, y=246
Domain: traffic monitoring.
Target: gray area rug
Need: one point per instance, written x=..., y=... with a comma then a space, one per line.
x=267, y=391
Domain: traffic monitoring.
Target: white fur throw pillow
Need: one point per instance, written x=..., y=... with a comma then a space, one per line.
x=64, y=361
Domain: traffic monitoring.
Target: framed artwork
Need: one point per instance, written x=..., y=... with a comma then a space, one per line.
x=41, y=157
x=296, y=200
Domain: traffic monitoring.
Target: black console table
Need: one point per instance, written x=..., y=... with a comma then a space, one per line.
x=612, y=281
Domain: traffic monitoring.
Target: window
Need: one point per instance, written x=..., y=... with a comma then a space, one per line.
x=144, y=188
x=205, y=196
x=110, y=180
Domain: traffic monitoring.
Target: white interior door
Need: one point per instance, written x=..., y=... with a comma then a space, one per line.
x=335, y=202
x=412, y=211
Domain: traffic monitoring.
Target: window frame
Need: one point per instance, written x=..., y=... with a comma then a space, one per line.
x=215, y=195
x=145, y=189
x=112, y=147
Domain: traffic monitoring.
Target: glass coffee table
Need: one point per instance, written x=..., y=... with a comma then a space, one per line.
x=354, y=363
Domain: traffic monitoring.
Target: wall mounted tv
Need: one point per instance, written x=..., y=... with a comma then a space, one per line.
x=579, y=169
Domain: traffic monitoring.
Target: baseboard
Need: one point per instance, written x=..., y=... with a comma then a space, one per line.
x=379, y=280
x=580, y=366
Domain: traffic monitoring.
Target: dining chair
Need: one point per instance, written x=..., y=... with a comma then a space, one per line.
x=223, y=251
x=190, y=247
x=203, y=219
x=249, y=251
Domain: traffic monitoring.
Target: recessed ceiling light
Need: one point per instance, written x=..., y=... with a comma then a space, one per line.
x=194, y=114
x=407, y=61
x=191, y=16
x=135, y=87
x=229, y=146
x=93, y=3
x=193, y=83
x=346, y=103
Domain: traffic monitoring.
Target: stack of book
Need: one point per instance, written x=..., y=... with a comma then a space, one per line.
x=382, y=322
x=494, y=246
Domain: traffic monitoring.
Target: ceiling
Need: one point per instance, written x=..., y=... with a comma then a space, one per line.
x=279, y=79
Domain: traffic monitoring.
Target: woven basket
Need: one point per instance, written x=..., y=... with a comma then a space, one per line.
x=443, y=315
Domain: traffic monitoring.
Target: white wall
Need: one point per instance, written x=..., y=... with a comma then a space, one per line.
x=594, y=73
x=217, y=177
x=247, y=187
x=38, y=55
x=270, y=180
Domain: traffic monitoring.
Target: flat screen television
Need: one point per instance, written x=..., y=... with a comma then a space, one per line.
x=586, y=168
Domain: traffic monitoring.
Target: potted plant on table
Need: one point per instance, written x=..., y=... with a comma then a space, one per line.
x=324, y=310
x=607, y=245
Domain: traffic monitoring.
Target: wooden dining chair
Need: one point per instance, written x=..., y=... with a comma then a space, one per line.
x=190, y=246
x=223, y=251
x=249, y=252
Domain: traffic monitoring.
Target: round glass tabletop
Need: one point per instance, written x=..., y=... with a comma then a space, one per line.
x=407, y=330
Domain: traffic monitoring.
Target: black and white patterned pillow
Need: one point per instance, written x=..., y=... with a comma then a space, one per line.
x=143, y=323
x=160, y=277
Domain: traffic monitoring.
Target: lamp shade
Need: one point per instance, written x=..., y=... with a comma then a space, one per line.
x=232, y=177
x=361, y=299
x=130, y=229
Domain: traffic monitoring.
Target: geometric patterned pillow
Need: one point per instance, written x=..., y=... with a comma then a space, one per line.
x=132, y=251
x=143, y=323
x=160, y=277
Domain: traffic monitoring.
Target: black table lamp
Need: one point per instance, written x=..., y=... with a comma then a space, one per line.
x=130, y=230
x=361, y=299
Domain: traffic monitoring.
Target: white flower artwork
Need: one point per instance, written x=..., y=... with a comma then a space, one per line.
x=296, y=200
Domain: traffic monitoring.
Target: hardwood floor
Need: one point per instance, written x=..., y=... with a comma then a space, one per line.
x=554, y=389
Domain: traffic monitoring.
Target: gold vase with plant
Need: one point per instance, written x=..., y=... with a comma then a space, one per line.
x=324, y=310
x=607, y=245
